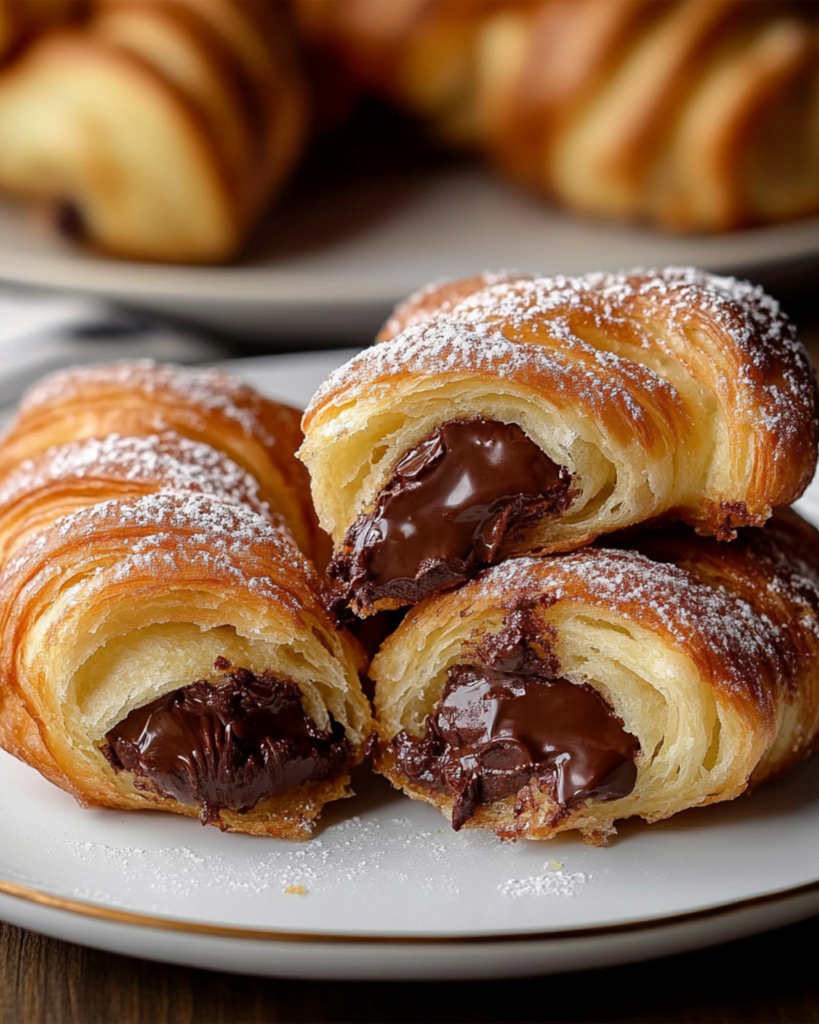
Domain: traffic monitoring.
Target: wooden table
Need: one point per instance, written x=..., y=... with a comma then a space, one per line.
x=43, y=981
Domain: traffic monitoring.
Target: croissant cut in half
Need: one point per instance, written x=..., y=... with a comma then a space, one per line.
x=507, y=415
x=165, y=641
x=572, y=691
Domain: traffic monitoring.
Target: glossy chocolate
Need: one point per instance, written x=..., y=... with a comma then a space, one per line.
x=226, y=746
x=451, y=502
x=507, y=720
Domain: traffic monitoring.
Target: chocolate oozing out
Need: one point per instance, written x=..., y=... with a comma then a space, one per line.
x=226, y=746
x=451, y=502
x=507, y=719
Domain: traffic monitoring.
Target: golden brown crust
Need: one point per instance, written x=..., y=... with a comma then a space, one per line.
x=708, y=653
x=133, y=565
x=208, y=406
x=23, y=20
x=669, y=394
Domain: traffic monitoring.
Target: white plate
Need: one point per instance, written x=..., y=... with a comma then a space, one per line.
x=391, y=891
x=340, y=251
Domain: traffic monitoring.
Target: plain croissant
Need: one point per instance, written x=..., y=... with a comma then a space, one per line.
x=700, y=115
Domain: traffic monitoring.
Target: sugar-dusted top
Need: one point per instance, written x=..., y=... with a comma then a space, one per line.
x=166, y=462
x=166, y=536
x=450, y=345
x=513, y=325
x=749, y=606
x=654, y=595
x=211, y=391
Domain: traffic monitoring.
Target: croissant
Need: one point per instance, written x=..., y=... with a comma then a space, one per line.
x=699, y=115
x=507, y=415
x=189, y=664
x=207, y=406
x=159, y=129
x=573, y=691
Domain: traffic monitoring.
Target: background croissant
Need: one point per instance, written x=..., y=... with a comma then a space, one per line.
x=160, y=130
x=699, y=115
x=21, y=20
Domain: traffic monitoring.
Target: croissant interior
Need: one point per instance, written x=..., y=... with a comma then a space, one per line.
x=659, y=395
x=165, y=641
x=704, y=656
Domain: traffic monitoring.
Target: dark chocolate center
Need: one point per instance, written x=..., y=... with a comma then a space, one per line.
x=226, y=746
x=451, y=502
x=501, y=724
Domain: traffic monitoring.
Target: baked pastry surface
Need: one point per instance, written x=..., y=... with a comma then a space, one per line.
x=670, y=394
x=206, y=406
x=572, y=691
x=165, y=640
x=22, y=20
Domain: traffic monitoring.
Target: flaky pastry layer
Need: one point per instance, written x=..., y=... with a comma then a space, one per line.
x=707, y=653
x=205, y=406
x=118, y=604
x=698, y=115
x=669, y=394
x=199, y=110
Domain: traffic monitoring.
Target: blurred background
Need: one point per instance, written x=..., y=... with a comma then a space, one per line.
x=277, y=175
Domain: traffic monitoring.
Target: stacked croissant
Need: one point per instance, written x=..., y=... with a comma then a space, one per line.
x=562, y=503
x=162, y=129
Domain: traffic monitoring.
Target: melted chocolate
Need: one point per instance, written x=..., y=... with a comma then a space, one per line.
x=226, y=746
x=502, y=723
x=451, y=502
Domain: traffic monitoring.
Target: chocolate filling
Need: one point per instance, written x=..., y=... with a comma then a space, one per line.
x=505, y=720
x=226, y=746
x=451, y=502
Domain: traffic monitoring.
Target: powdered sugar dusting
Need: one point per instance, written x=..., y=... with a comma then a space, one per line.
x=447, y=346
x=172, y=536
x=698, y=618
x=763, y=374
x=167, y=462
x=349, y=858
x=556, y=883
x=209, y=391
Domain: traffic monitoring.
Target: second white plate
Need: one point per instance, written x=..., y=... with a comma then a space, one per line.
x=339, y=252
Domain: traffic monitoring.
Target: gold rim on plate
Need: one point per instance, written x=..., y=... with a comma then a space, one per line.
x=127, y=917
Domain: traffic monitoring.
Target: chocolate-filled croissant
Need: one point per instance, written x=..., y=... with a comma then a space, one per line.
x=507, y=415
x=572, y=691
x=165, y=643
